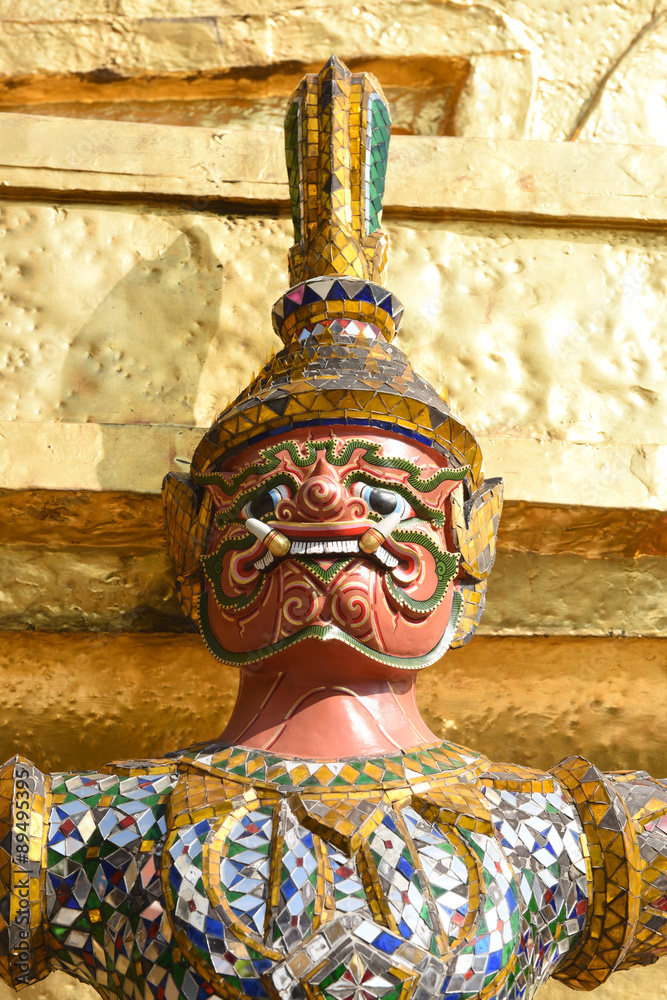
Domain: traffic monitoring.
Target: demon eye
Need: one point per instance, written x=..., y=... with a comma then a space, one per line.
x=382, y=502
x=266, y=503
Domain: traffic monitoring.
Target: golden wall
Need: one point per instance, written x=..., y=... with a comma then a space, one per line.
x=144, y=227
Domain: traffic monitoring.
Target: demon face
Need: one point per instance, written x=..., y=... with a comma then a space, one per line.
x=338, y=537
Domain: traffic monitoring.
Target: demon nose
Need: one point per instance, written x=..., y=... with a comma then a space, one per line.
x=321, y=497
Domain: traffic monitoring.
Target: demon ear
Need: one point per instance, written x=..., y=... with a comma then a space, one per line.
x=474, y=526
x=189, y=513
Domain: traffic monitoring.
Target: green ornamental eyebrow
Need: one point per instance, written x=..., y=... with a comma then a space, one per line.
x=371, y=454
x=232, y=514
x=421, y=508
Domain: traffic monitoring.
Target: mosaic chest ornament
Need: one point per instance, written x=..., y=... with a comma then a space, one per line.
x=334, y=536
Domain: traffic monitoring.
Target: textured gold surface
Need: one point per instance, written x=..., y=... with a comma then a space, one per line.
x=565, y=595
x=88, y=588
x=537, y=700
x=147, y=42
x=94, y=702
x=116, y=316
x=635, y=984
x=524, y=318
x=440, y=177
x=60, y=519
x=423, y=91
x=594, y=533
x=179, y=282
x=529, y=700
x=94, y=158
x=525, y=75
x=83, y=560
x=149, y=312
x=628, y=107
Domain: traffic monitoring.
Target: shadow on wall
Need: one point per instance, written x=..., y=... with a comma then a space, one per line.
x=139, y=357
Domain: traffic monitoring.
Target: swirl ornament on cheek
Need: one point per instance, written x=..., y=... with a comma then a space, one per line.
x=230, y=562
x=326, y=632
x=445, y=565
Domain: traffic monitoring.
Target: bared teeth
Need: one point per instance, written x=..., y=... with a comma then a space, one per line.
x=265, y=561
x=327, y=547
x=386, y=558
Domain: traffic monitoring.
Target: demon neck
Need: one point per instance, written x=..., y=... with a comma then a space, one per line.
x=317, y=700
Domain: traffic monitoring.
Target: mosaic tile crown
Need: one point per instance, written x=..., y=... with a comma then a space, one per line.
x=337, y=320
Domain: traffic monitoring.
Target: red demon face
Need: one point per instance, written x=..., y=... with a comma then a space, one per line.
x=341, y=537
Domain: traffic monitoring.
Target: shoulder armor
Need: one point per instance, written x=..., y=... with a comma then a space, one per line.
x=24, y=806
x=515, y=778
x=135, y=768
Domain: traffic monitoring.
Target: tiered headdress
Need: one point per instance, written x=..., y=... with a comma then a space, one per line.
x=337, y=323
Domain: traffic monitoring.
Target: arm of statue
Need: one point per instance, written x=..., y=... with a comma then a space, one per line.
x=624, y=818
x=80, y=870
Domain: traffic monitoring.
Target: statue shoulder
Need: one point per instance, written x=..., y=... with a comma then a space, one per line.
x=52, y=823
x=517, y=778
x=124, y=803
x=104, y=848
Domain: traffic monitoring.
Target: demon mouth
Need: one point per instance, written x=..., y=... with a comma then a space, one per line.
x=324, y=549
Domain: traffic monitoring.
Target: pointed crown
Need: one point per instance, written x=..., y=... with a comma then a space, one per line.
x=337, y=320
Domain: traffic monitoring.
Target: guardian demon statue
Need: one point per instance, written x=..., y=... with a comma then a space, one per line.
x=333, y=538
